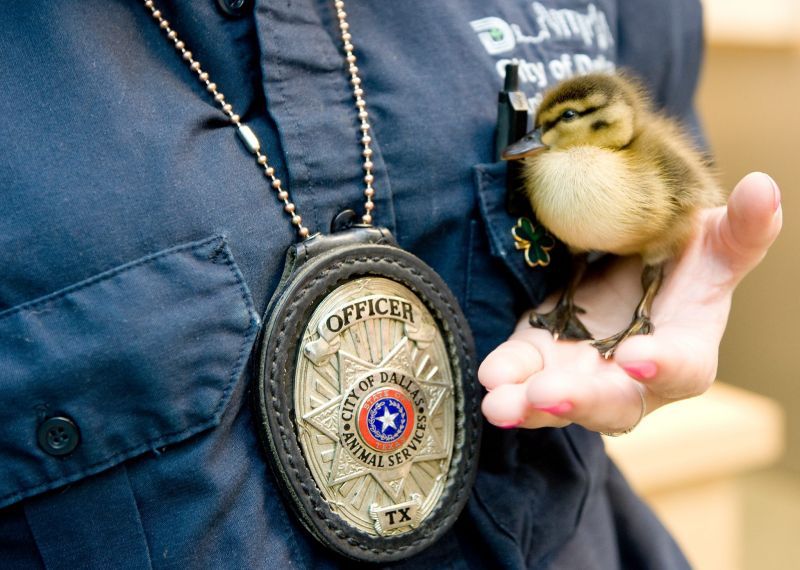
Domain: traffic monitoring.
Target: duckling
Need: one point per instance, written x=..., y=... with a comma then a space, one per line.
x=605, y=173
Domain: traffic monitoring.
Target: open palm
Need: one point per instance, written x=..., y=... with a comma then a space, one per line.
x=535, y=381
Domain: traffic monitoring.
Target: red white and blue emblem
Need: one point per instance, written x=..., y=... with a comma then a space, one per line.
x=386, y=419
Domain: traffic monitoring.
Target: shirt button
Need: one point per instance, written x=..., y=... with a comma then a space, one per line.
x=235, y=8
x=58, y=436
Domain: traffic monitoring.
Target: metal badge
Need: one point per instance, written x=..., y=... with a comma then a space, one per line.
x=368, y=402
x=374, y=405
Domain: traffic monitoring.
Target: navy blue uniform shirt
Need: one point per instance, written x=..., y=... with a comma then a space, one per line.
x=139, y=245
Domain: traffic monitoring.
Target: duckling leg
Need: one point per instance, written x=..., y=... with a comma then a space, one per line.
x=563, y=321
x=652, y=276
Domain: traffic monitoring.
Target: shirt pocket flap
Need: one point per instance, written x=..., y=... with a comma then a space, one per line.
x=138, y=357
x=490, y=182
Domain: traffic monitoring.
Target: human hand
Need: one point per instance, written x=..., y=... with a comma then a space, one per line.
x=535, y=381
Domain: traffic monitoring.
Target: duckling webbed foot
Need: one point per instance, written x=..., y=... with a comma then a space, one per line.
x=652, y=276
x=639, y=325
x=562, y=322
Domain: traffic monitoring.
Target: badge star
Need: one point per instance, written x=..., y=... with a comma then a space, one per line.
x=344, y=467
x=387, y=420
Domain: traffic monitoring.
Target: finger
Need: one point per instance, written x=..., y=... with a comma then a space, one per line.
x=671, y=363
x=510, y=363
x=599, y=402
x=750, y=223
x=507, y=407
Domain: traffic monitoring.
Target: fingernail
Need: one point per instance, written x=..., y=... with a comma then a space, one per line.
x=776, y=194
x=641, y=370
x=555, y=409
x=510, y=426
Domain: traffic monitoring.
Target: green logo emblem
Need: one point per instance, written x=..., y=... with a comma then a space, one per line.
x=496, y=34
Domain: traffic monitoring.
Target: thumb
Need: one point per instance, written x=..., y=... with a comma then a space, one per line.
x=750, y=223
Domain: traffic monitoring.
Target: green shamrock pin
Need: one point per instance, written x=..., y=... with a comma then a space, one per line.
x=535, y=242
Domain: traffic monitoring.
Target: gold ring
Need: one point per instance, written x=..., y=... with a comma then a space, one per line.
x=640, y=389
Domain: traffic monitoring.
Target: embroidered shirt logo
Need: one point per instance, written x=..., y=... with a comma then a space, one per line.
x=576, y=42
x=498, y=36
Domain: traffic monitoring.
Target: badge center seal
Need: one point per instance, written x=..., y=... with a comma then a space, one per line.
x=384, y=418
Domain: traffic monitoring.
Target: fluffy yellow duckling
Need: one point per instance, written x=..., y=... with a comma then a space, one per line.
x=605, y=173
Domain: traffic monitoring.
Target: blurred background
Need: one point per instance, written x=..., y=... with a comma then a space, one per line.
x=731, y=493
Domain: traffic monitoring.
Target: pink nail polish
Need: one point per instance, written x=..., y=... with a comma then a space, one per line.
x=776, y=195
x=555, y=409
x=644, y=370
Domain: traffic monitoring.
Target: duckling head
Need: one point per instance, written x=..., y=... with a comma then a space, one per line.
x=598, y=109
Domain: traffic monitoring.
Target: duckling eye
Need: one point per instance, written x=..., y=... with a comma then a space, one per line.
x=569, y=115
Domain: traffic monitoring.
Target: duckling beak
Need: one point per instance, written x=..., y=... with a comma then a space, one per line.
x=528, y=145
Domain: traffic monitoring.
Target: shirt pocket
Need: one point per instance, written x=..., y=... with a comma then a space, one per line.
x=500, y=285
x=137, y=357
x=535, y=282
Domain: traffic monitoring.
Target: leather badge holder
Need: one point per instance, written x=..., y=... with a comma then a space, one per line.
x=367, y=396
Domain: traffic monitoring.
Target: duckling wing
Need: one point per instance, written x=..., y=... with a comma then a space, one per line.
x=684, y=175
x=680, y=181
